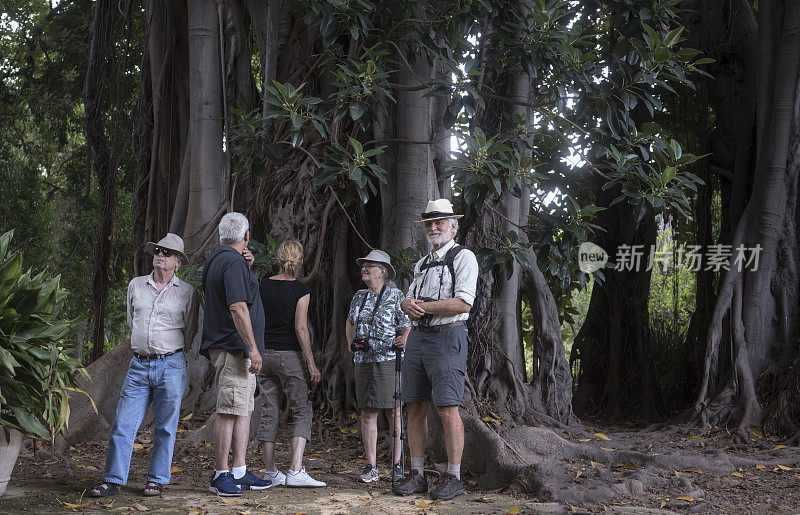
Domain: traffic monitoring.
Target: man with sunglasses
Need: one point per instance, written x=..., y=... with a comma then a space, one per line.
x=162, y=316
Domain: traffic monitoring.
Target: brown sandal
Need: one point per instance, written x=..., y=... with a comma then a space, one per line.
x=153, y=489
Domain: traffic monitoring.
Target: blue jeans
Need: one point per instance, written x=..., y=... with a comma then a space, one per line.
x=162, y=382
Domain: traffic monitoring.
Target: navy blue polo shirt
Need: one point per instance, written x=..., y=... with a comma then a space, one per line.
x=226, y=279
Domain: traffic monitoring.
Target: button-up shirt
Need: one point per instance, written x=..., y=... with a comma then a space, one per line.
x=161, y=322
x=436, y=282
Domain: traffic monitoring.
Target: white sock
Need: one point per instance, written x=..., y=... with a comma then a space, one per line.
x=454, y=470
x=418, y=464
x=239, y=472
x=218, y=472
x=293, y=472
x=274, y=473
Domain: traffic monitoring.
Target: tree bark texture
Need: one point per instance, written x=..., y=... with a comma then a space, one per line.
x=99, y=147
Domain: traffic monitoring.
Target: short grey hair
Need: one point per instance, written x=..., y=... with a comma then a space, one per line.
x=388, y=282
x=232, y=228
x=454, y=223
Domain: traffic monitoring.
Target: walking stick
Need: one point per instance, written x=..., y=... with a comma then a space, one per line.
x=398, y=405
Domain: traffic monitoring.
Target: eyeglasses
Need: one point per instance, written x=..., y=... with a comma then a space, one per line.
x=368, y=266
x=164, y=252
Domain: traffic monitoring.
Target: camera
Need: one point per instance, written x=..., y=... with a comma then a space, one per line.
x=425, y=320
x=360, y=344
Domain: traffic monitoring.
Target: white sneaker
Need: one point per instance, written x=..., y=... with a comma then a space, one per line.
x=302, y=479
x=277, y=477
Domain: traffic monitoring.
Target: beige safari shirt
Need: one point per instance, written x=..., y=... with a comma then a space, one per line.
x=161, y=322
x=426, y=283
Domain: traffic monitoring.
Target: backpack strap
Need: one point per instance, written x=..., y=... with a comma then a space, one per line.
x=449, y=259
x=423, y=266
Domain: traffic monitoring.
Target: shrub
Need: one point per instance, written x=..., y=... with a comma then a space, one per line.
x=37, y=371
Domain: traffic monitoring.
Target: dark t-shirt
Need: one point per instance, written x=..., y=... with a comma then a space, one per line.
x=226, y=279
x=280, y=302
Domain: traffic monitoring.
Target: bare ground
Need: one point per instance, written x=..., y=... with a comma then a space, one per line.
x=769, y=482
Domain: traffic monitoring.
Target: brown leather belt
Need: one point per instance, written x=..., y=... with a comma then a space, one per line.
x=437, y=328
x=151, y=357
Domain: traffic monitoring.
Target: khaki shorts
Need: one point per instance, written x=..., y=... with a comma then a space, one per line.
x=375, y=385
x=235, y=384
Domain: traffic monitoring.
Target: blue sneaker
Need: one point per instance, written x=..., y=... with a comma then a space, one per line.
x=224, y=486
x=250, y=481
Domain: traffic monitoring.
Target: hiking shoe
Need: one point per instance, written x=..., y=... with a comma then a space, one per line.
x=302, y=479
x=250, y=481
x=397, y=472
x=447, y=488
x=276, y=478
x=225, y=486
x=414, y=483
x=368, y=474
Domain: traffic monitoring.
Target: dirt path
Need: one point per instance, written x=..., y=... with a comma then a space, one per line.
x=43, y=483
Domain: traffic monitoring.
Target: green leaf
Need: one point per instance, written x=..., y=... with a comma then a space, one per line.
x=5, y=239
x=8, y=361
x=357, y=110
x=29, y=423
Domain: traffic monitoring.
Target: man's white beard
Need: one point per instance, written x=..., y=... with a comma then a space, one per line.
x=439, y=239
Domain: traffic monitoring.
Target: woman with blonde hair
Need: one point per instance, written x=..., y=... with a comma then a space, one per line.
x=286, y=343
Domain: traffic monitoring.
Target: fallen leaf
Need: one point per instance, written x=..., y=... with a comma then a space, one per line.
x=760, y=466
x=661, y=507
x=578, y=474
x=244, y=512
x=757, y=433
x=188, y=417
x=595, y=464
x=784, y=467
x=353, y=431
x=422, y=504
x=694, y=437
x=109, y=505
x=585, y=440
x=76, y=507
x=601, y=436
x=629, y=465
x=608, y=449
x=208, y=444
x=696, y=470
x=173, y=469
x=738, y=474
x=140, y=507
x=367, y=501
x=89, y=479
x=195, y=511
x=138, y=447
x=685, y=498
x=513, y=511
x=778, y=447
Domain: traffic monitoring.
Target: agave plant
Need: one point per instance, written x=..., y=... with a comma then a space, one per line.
x=37, y=370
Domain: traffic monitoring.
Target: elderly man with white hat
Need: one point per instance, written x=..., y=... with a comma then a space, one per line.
x=162, y=316
x=438, y=303
x=375, y=327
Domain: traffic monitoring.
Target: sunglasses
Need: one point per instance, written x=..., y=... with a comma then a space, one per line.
x=164, y=252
